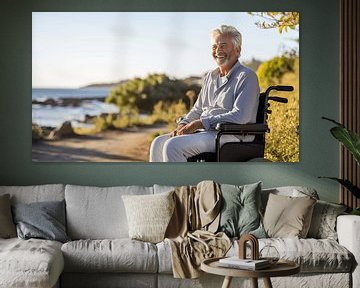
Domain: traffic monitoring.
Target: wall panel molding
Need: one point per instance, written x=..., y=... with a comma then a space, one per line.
x=349, y=91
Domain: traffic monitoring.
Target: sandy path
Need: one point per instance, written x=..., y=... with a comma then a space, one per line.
x=131, y=145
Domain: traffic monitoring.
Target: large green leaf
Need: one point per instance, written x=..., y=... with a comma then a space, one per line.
x=348, y=138
x=348, y=185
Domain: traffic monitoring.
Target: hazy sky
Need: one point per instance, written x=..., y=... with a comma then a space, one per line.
x=70, y=50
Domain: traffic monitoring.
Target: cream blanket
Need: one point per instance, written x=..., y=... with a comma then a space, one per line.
x=191, y=231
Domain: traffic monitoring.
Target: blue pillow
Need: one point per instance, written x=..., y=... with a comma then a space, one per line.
x=240, y=212
x=43, y=220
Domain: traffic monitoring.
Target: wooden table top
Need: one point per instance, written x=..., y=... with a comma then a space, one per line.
x=281, y=268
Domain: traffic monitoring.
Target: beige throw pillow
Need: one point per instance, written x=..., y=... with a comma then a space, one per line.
x=149, y=215
x=288, y=217
x=7, y=226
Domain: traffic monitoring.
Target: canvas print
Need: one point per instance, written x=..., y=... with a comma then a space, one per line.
x=165, y=86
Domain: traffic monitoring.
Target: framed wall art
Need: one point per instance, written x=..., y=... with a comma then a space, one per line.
x=159, y=86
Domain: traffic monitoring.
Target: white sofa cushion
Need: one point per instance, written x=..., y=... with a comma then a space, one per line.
x=164, y=257
x=163, y=188
x=109, y=280
x=30, y=263
x=35, y=193
x=116, y=255
x=301, y=280
x=98, y=213
x=348, y=229
x=313, y=255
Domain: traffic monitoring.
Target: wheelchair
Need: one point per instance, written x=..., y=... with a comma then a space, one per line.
x=244, y=151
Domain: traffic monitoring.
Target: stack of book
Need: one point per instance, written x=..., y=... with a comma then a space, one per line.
x=248, y=264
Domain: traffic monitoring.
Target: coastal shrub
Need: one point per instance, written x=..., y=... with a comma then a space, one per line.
x=168, y=112
x=129, y=117
x=122, y=122
x=144, y=93
x=100, y=123
x=97, y=124
x=282, y=143
x=37, y=132
x=270, y=72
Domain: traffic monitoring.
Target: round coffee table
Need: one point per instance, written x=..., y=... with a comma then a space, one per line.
x=281, y=268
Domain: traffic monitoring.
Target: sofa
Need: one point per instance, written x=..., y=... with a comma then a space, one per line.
x=99, y=252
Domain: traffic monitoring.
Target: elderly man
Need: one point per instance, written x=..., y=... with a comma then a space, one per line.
x=229, y=95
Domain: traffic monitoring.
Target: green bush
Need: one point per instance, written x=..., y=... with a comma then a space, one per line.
x=270, y=72
x=37, y=133
x=168, y=112
x=282, y=143
x=143, y=94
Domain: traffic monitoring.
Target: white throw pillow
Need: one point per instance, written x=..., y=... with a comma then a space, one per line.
x=149, y=215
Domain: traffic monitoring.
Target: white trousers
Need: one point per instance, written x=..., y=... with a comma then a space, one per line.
x=177, y=149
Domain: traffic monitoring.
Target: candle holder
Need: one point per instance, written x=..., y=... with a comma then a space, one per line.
x=254, y=246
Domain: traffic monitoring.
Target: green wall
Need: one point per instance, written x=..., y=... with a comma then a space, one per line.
x=319, y=96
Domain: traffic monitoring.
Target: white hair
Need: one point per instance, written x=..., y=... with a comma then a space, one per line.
x=229, y=30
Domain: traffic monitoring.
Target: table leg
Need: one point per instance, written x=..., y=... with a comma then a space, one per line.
x=227, y=282
x=254, y=282
x=267, y=283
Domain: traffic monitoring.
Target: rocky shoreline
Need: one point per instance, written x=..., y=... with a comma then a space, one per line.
x=65, y=129
x=66, y=102
x=49, y=133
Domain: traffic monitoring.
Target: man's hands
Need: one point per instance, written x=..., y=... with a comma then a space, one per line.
x=187, y=128
x=176, y=131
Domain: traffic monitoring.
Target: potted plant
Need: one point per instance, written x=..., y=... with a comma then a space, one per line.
x=351, y=141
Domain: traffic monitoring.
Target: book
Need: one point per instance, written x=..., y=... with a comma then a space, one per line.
x=236, y=262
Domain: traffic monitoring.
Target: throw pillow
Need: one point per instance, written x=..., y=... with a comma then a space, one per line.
x=7, y=227
x=44, y=220
x=287, y=217
x=323, y=222
x=240, y=213
x=149, y=215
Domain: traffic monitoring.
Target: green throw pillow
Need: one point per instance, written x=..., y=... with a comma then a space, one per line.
x=240, y=212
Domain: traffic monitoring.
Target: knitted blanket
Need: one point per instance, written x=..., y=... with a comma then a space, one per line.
x=191, y=231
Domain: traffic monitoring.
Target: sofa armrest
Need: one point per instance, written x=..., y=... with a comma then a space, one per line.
x=348, y=230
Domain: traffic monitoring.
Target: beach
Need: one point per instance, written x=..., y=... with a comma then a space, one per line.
x=128, y=145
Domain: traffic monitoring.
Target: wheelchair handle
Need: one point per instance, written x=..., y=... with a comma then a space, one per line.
x=278, y=99
x=279, y=88
x=283, y=88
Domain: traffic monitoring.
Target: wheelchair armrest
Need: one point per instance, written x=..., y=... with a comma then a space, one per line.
x=242, y=128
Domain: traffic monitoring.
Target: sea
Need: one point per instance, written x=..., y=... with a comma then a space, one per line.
x=54, y=116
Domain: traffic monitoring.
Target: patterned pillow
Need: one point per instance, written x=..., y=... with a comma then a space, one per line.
x=149, y=215
x=323, y=222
